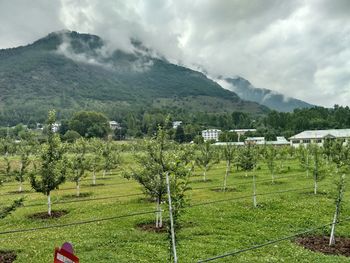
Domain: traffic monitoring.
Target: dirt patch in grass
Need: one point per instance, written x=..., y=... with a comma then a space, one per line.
x=320, y=244
x=151, y=227
x=7, y=256
x=44, y=215
x=82, y=195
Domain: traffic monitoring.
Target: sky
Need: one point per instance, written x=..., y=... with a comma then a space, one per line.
x=300, y=48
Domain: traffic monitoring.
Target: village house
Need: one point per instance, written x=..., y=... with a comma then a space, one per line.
x=319, y=136
x=176, y=124
x=114, y=125
x=211, y=134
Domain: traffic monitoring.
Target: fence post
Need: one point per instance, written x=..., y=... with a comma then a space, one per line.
x=254, y=191
x=171, y=219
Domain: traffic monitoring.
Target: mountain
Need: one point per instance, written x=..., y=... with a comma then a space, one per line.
x=70, y=71
x=276, y=101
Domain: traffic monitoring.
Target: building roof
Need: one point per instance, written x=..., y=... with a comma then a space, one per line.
x=255, y=139
x=320, y=134
x=211, y=130
x=243, y=130
x=230, y=143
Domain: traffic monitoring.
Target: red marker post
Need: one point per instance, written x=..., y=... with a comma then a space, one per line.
x=65, y=254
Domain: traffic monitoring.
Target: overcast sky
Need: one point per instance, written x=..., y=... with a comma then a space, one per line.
x=300, y=48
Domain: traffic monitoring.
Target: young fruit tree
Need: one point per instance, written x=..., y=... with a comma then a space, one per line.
x=207, y=157
x=304, y=158
x=95, y=157
x=270, y=157
x=177, y=179
x=158, y=158
x=78, y=162
x=317, y=165
x=340, y=155
x=24, y=149
x=111, y=157
x=7, y=147
x=338, y=206
x=52, y=165
x=229, y=153
x=247, y=158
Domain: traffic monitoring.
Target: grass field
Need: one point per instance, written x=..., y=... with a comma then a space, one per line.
x=208, y=229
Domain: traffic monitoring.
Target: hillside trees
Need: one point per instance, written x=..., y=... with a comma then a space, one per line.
x=52, y=165
x=89, y=124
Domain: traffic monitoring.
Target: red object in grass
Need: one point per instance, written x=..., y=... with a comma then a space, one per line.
x=65, y=254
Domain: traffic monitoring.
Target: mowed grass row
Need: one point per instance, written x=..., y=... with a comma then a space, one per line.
x=208, y=229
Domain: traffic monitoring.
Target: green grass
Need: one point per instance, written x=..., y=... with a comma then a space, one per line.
x=208, y=230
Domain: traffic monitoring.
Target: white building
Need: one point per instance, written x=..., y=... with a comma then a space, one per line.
x=176, y=124
x=318, y=136
x=56, y=126
x=114, y=125
x=211, y=134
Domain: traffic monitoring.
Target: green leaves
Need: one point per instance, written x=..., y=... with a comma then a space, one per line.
x=52, y=165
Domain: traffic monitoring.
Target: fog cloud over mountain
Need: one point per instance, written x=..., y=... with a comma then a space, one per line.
x=298, y=48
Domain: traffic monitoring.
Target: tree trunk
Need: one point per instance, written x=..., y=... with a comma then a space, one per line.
x=335, y=219
x=157, y=214
x=273, y=177
x=78, y=189
x=159, y=219
x=205, y=172
x=226, y=174
x=49, y=204
x=171, y=220
x=20, y=187
x=254, y=192
x=94, y=177
x=104, y=173
x=315, y=186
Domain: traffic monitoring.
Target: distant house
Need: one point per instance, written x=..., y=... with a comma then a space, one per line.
x=114, y=125
x=241, y=132
x=176, y=124
x=319, y=136
x=56, y=126
x=211, y=134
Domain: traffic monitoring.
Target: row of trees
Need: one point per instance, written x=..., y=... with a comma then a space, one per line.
x=53, y=162
x=50, y=164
